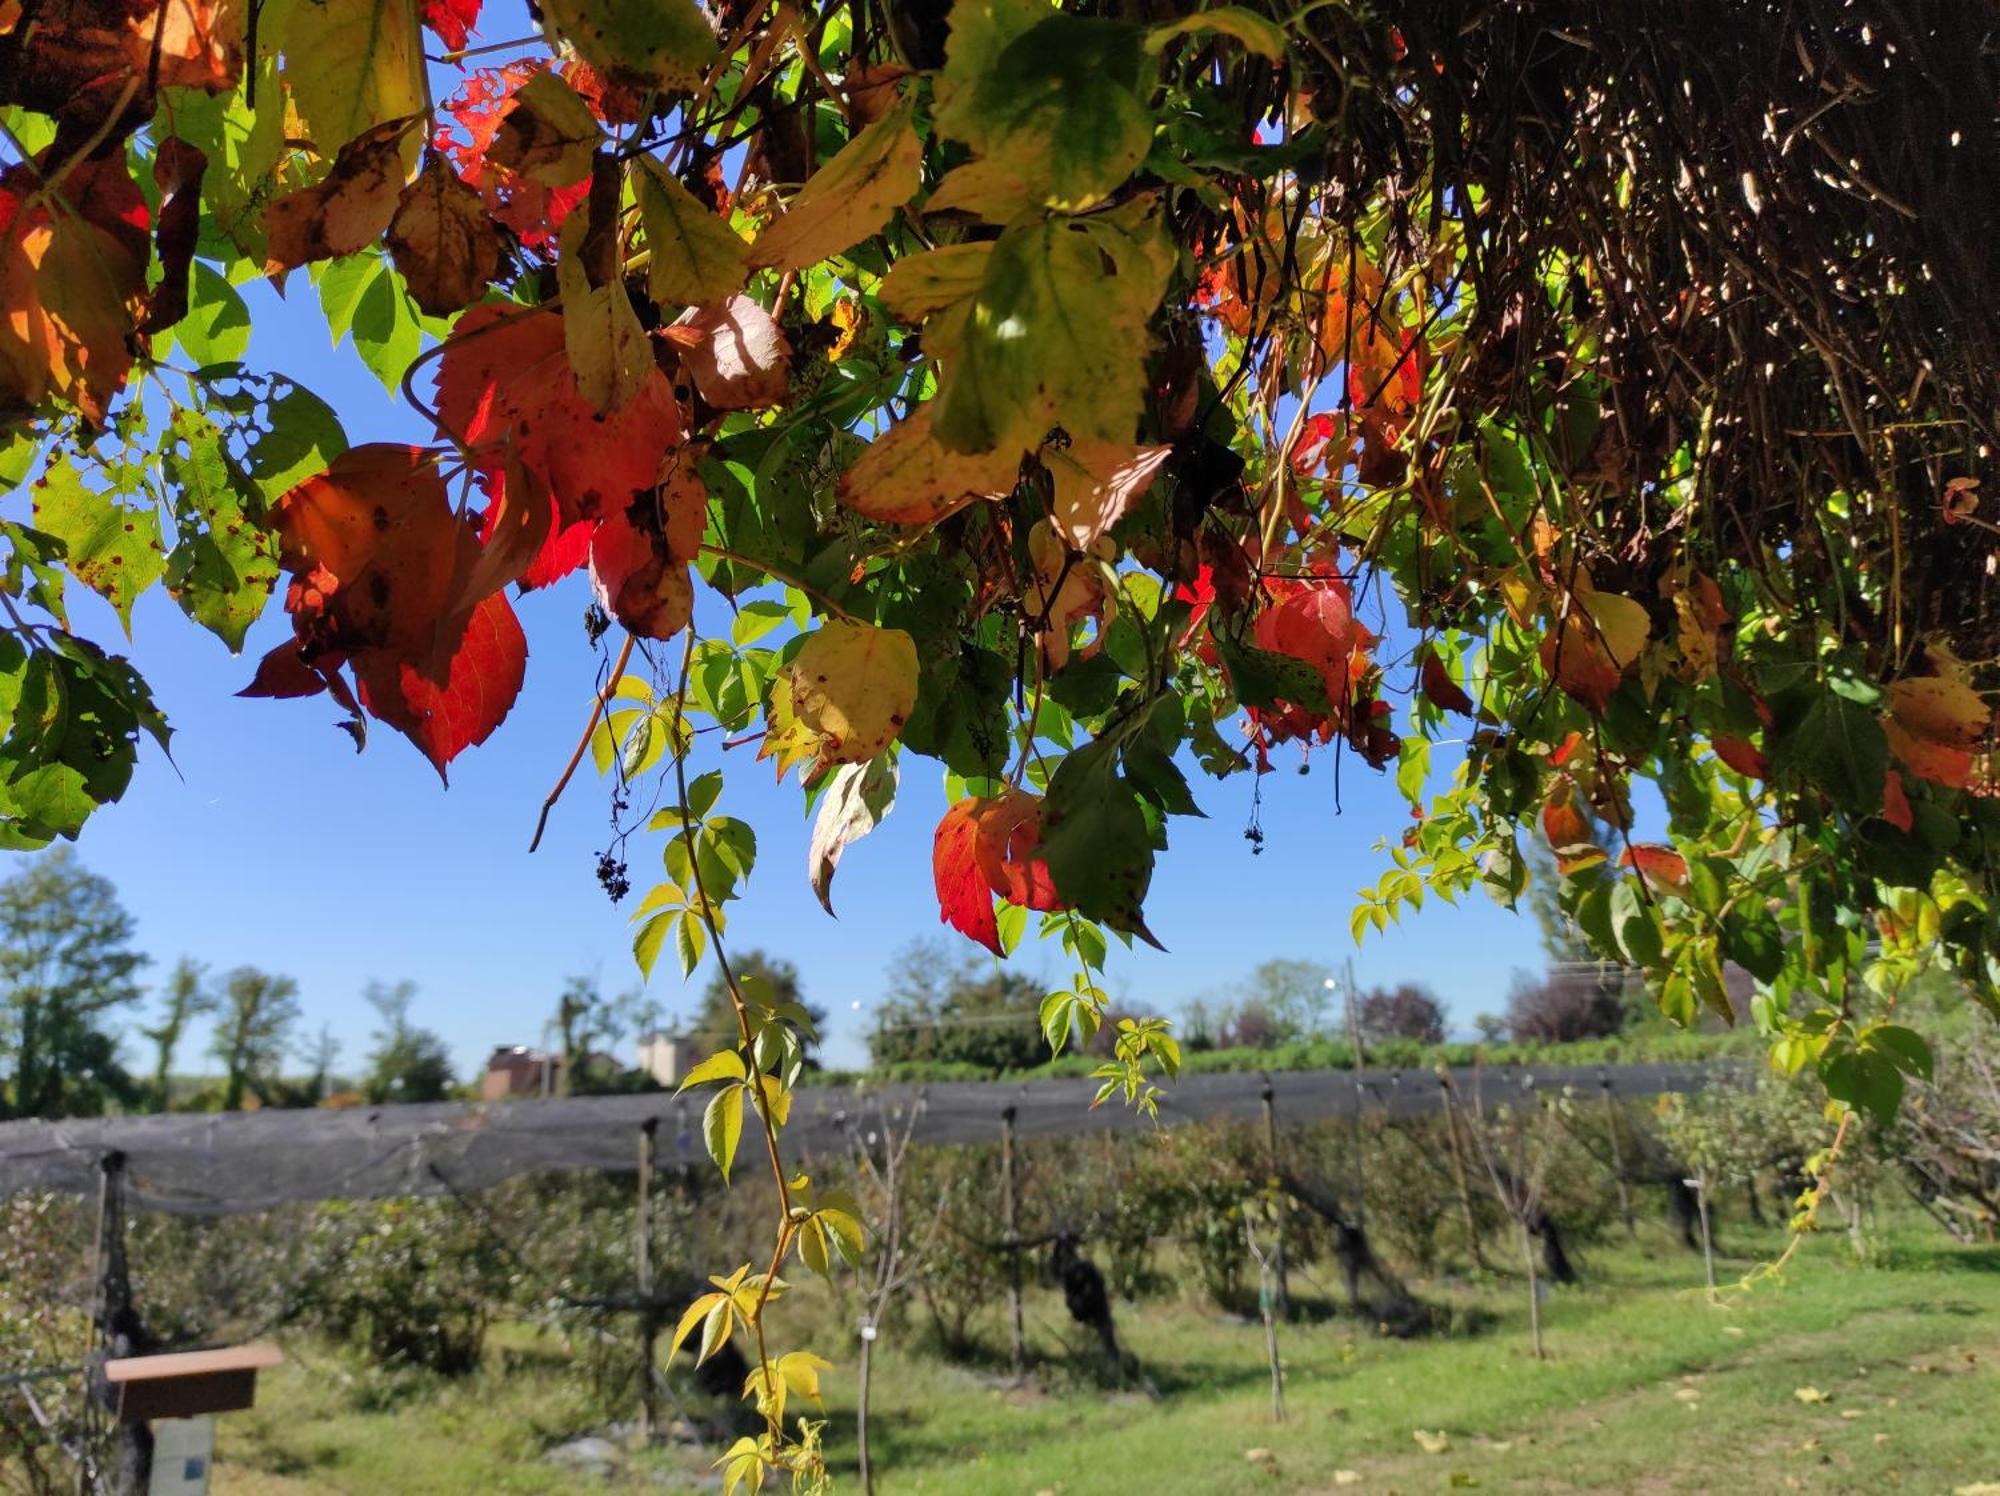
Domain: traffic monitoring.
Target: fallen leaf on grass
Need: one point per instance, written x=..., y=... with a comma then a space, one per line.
x=1809, y=1394
x=1851, y=1413
x=1431, y=1441
x=1347, y=1477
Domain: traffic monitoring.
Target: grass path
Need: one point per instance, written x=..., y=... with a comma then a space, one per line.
x=1649, y=1387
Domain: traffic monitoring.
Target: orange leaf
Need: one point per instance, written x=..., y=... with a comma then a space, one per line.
x=906, y=477
x=1657, y=864
x=344, y=212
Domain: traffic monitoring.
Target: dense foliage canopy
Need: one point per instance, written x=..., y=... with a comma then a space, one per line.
x=1046, y=390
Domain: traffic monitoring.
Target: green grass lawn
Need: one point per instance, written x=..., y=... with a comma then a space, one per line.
x=1840, y=1378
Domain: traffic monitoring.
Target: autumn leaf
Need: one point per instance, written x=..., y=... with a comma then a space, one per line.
x=850, y=689
x=442, y=241
x=988, y=847
x=1658, y=865
x=547, y=133
x=178, y=168
x=1896, y=802
x=1439, y=689
x=1067, y=588
x=921, y=285
x=84, y=56
x=72, y=277
x=857, y=800
x=639, y=555
x=1742, y=756
x=460, y=710
x=1568, y=829
x=609, y=353
x=452, y=20
x=1934, y=723
x=344, y=212
x=849, y=198
x=505, y=377
x=1096, y=484
x=734, y=352
x=907, y=477
x=1601, y=635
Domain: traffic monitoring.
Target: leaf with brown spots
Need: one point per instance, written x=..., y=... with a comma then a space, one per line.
x=639, y=555
x=547, y=133
x=112, y=549
x=850, y=197
x=344, y=212
x=442, y=241
x=851, y=687
x=505, y=377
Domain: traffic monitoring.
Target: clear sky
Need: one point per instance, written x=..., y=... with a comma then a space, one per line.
x=268, y=841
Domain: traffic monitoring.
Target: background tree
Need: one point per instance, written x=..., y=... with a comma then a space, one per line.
x=186, y=997
x=407, y=1063
x=253, y=1030
x=589, y=1028
x=1405, y=1011
x=1584, y=1001
x=66, y=965
x=319, y=1054
x=945, y=1005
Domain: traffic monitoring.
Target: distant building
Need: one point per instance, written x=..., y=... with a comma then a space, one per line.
x=516, y=1070
x=667, y=1057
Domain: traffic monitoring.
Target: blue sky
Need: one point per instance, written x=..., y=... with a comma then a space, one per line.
x=268, y=841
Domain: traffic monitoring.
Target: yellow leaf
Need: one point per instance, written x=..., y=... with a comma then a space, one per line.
x=989, y=188
x=853, y=687
x=1809, y=1394
x=906, y=477
x=850, y=197
x=776, y=1100
x=352, y=65
x=716, y=1329
x=607, y=348
x=695, y=255
x=724, y=1064
x=695, y=1314
x=1622, y=624
x=722, y=1127
x=920, y=285
x=1257, y=33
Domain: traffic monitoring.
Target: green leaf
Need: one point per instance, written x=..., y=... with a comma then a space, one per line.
x=1056, y=334
x=695, y=255
x=643, y=44
x=722, y=1127
x=1062, y=103
x=341, y=283
x=223, y=564
x=304, y=436
x=1266, y=679
x=1838, y=746
x=113, y=550
x=1905, y=1048
x=1097, y=841
x=216, y=329
x=386, y=334
x=646, y=945
x=1636, y=923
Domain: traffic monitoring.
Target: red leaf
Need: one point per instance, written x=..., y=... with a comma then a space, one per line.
x=1439, y=689
x=1742, y=756
x=1658, y=864
x=461, y=709
x=965, y=900
x=1568, y=829
x=1896, y=802
x=504, y=375
x=639, y=556
x=452, y=20
x=986, y=847
x=1310, y=449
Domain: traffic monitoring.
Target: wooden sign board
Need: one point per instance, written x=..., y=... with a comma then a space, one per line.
x=189, y=1383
